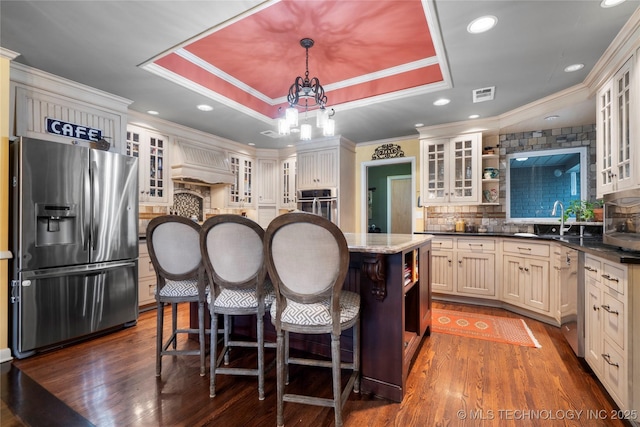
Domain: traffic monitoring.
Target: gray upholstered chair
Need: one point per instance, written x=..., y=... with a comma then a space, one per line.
x=174, y=248
x=307, y=259
x=232, y=251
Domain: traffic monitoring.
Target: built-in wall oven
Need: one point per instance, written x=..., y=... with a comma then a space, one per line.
x=322, y=201
x=622, y=219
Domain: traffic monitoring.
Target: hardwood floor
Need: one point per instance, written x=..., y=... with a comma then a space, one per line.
x=454, y=381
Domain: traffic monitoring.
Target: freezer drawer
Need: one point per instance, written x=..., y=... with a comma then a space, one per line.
x=54, y=306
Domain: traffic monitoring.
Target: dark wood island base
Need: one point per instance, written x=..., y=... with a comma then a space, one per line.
x=391, y=272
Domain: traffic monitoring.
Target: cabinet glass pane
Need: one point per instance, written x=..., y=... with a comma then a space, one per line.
x=234, y=189
x=606, y=150
x=624, y=159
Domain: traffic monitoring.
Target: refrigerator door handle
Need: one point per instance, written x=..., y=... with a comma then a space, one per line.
x=85, y=269
x=93, y=172
x=86, y=211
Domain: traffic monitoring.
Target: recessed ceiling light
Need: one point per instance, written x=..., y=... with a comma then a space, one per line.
x=289, y=145
x=419, y=125
x=251, y=143
x=482, y=24
x=474, y=116
x=205, y=107
x=549, y=118
x=152, y=112
x=442, y=101
x=573, y=67
x=610, y=3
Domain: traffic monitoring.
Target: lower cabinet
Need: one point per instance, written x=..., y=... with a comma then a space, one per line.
x=607, y=327
x=526, y=279
x=146, y=277
x=468, y=270
x=518, y=272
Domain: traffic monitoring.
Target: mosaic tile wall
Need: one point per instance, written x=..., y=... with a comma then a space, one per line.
x=188, y=205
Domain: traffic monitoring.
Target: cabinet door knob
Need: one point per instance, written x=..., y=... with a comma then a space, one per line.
x=595, y=308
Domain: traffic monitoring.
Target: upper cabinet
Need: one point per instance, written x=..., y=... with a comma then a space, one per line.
x=451, y=170
x=152, y=151
x=288, y=177
x=267, y=181
x=241, y=191
x=318, y=169
x=617, y=163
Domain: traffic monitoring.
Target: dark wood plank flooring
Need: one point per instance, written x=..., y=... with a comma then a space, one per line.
x=454, y=381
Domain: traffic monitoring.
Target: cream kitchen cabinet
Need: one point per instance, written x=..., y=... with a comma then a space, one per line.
x=318, y=168
x=608, y=328
x=617, y=154
x=452, y=170
x=526, y=279
x=146, y=277
x=240, y=193
x=469, y=270
x=288, y=186
x=152, y=151
x=267, y=182
x=330, y=163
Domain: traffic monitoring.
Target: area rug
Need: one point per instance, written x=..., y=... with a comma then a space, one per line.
x=484, y=327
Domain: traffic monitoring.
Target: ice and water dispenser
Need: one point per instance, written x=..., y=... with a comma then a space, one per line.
x=55, y=224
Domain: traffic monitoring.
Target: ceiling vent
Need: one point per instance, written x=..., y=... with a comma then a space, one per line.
x=484, y=94
x=194, y=164
x=271, y=134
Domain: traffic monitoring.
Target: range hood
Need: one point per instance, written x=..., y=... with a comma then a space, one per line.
x=195, y=164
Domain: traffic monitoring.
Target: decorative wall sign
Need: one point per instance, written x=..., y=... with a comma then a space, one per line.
x=58, y=127
x=387, y=151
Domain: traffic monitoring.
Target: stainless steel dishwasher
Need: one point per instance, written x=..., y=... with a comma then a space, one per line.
x=572, y=298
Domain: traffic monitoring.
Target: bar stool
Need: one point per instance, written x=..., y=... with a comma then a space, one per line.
x=232, y=251
x=307, y=259
x=174, y=249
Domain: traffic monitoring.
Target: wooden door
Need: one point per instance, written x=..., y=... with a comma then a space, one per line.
x=400, y=204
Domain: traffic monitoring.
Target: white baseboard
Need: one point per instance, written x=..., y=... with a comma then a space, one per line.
x=5, y=355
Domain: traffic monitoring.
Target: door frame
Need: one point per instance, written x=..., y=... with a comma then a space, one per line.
x=364, y=187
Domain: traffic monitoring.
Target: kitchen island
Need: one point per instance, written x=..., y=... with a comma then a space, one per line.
x=391, y=272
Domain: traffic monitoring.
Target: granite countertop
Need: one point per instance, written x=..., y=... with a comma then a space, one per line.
x=380, y=243
x=588, y=244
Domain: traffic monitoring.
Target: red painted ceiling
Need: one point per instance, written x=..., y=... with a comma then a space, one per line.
x=362, y=50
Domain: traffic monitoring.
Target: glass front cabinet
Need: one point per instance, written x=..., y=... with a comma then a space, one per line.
x=151, y=150
x=452, y=170
x=241, y=191
x=615, y=149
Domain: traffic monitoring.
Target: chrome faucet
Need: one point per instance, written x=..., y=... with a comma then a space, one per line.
x=553, y=213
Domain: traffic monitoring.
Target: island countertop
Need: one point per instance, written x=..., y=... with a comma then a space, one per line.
x=382, y=243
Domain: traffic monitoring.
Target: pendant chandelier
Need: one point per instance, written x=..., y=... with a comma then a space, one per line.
x=307, y=93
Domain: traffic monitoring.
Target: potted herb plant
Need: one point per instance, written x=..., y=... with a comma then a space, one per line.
x=583, y=210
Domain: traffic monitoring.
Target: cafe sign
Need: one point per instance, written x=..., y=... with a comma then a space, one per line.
x=58, y=127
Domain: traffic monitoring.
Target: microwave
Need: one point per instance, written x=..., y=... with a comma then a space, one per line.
x=622, y=219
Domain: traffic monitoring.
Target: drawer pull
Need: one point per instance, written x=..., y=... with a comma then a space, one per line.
x=589, y=268
x=607, y=358
x=520, y=248
x=476, y=244
x=595, y=307
x=608, y=309
x=608, y=277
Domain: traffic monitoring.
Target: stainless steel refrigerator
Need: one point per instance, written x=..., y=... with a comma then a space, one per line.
x=74, y=237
